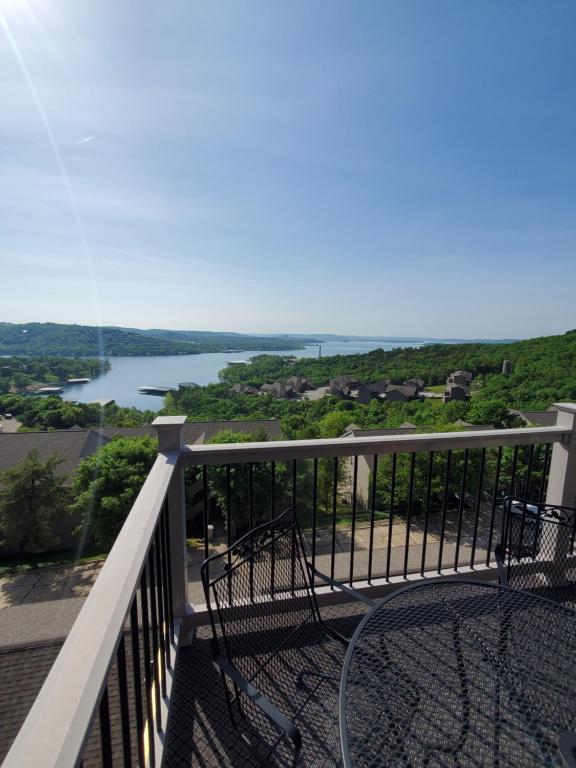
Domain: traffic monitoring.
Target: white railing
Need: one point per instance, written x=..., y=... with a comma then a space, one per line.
x=57, y=728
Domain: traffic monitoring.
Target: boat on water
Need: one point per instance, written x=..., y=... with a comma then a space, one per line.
x=161, y=391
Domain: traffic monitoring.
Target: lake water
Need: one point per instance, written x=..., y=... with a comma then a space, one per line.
x=121, y=382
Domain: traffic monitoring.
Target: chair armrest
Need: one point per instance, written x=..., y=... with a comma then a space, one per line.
x=270, y=710
x=501, y=565
x=343, y=587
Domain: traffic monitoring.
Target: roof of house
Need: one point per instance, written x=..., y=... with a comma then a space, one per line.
x=344, y=381
x=472, y=427
x=71, y=445
x=406, y=389
x=404, y=429
x=198, y=432
x=452, y=385
x=537, y=418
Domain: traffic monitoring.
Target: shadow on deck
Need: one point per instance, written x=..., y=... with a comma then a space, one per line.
x=199, y=729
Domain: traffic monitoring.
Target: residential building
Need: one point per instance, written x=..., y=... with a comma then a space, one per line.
x=455, y=391
x=401, y=393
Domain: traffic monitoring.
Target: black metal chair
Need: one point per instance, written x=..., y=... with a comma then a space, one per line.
x=280, y=663
x=536, y=552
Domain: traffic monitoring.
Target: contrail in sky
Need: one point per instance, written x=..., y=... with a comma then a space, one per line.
x=83, y=141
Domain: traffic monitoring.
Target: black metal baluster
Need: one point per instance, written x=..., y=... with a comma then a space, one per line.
x=444, y=509
x=205, y=509
x=513, y=471
x=273, y=548
x=372, y=517
x=135, y=635
x=124, y=708
x=156, y=671
x=273, y=489
x=250, y=496
x=228, y=509
x=529, y=473
x=409, y=515
x=544, y=472
x=314, y=511
x=166, y=517
x=353, y=530
x=161, y=621
x=461, y=509
x=251, y=523
x=165, y=591
x=105, y=734
x=147, y=666
x=494, y=505
x=477, y=505
x=427, y=510
x=334, y=508
x=391, y=515
x=293, y=537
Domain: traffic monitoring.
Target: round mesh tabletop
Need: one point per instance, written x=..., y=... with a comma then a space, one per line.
x=459, y=674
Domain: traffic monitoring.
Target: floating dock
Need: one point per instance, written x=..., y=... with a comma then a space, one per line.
x=78, y=381
x=49, y=391
x=155, y=390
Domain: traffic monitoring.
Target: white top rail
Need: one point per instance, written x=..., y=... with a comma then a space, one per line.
x=287, y=450
x=58, y=724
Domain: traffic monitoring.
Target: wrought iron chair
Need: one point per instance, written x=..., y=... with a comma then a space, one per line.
x=536, y=552
x=280, y=663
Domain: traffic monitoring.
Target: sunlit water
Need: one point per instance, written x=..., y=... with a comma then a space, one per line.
x=128, y=373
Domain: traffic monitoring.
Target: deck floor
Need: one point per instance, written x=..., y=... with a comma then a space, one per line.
x=199, y=731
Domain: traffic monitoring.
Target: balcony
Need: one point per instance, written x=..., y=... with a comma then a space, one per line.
x=134, y=683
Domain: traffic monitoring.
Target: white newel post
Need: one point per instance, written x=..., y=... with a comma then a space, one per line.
x=169, y=429
x=562, y=478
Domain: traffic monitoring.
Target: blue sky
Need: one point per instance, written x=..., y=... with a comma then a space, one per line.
x=372, y=167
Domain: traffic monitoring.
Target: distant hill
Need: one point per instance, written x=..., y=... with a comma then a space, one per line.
x=108, y=341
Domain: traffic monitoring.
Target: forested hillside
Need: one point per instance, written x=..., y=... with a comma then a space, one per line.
x=17, y=373
x=543, y=371
x=86, y=341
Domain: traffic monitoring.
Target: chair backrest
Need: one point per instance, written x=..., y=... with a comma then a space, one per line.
x=259, y=593
x=537, y=548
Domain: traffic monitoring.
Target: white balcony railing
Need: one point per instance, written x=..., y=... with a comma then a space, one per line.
x=125, y=641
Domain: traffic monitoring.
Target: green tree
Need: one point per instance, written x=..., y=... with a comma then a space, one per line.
x=107, y=483
x=32, y=497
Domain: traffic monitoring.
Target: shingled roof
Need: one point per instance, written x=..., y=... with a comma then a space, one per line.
x=71, y=445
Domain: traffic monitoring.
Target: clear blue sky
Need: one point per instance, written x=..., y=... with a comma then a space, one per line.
x=401, y=167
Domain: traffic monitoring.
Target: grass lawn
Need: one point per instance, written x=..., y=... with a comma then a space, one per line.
x=439, y=388
x=14, y=564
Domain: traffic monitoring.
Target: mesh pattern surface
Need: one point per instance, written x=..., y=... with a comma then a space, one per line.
x=539, y=550
x=461, y=674
x=267, y=624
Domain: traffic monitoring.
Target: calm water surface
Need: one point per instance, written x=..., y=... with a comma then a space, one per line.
x=128, y=373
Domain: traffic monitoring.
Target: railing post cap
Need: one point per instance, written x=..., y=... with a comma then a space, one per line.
x=169, y=429
x=565, y=407
x=168, y=421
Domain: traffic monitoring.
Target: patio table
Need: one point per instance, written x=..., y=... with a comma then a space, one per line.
x=459, y=673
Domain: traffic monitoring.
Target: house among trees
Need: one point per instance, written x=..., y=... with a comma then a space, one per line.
x=379, y=387
x=401, y=393
x=341, y=386
x=462, y=378
x=457, y=386
x=418, y=383
x=298, y=383
x=278, y=389
x=244, y=389
x=455, y=392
